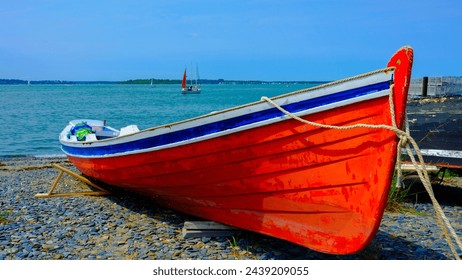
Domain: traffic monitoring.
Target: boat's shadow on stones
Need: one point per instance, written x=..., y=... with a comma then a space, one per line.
x=248, y=245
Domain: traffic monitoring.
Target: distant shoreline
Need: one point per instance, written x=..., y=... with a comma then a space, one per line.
x=148, y=82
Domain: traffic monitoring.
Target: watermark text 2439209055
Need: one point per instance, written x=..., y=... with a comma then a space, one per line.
x=210, y=271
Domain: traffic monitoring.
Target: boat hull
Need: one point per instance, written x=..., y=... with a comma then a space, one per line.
x=322, y=188
x=190, y=91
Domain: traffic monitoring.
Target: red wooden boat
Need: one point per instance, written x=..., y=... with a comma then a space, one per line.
x=256, y=168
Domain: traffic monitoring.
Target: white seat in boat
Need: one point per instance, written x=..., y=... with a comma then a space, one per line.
x=129, y=129
x=90, y=137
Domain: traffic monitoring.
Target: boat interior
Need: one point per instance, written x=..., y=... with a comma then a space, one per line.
x=99, y=130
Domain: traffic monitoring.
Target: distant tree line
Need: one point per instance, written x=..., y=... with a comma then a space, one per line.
x=12, y=82
x=149, y=81
x=146, y=82
x=168, y=81
x=214, y=82
x=49, y=82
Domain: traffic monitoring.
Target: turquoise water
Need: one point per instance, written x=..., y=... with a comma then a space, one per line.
x=33, y=116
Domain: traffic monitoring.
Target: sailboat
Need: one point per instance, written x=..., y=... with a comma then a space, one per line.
x=185, y=89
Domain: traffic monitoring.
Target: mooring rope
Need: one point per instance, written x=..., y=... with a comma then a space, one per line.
x=405, y=140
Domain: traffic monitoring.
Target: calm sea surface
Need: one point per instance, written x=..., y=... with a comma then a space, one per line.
x=33, y=116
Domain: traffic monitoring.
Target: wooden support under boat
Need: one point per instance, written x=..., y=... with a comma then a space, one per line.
x=193, y=229
x=75, y=175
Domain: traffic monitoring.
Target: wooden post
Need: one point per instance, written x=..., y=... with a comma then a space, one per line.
x=193, y=229
x=424, y=86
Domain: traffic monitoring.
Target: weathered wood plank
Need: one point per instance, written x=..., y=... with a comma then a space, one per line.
x=193, y=229
x=411, y=167
x=207, y=225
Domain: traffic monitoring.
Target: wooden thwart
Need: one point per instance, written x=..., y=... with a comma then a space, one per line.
x=193, y=229
x=75, y=175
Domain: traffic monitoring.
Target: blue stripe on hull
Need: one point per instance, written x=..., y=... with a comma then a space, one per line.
x=231, y=123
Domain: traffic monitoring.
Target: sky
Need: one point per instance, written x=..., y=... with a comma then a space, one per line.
x=269, y=40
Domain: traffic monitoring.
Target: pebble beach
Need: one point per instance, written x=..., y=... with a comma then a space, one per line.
x=126, y=226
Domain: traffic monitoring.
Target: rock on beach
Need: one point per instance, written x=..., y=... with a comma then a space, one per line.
x=125, y=226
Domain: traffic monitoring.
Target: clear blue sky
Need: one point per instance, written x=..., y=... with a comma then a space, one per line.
x=248, y=40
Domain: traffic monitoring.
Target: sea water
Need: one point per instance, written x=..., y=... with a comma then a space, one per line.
x=31, y=117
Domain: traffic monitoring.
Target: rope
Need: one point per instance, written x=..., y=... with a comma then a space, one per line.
x=405, y=140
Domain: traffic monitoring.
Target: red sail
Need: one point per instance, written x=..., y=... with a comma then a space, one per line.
x=183, y=83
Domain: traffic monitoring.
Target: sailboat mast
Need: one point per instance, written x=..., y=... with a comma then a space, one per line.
x=191, y=80
x=197, y=75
